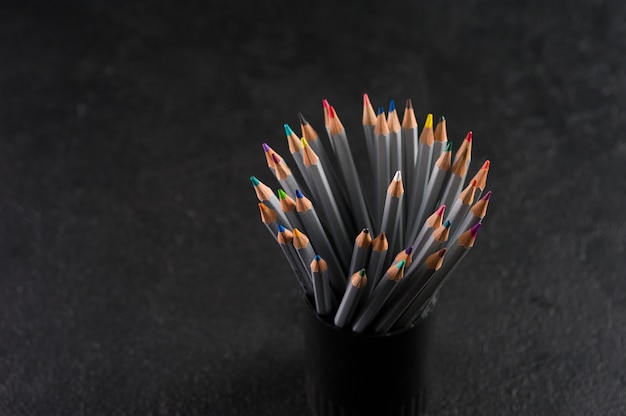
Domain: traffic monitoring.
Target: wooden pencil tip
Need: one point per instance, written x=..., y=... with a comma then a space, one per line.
x=299, y=194
x=366, y=100
x=409, y=103
x=392, y=105
x=442, y=252
x=380, y=111
x=487, y=196
x=325, y=103
x=441, y=210
x=442, y=119
x=288, y=130
x=266, y=148
x=275, y=158
x=254, y=180
x=428, y=124
x=331, y=111
x=486, y=164
x=474, y=229
x=303, y=121
x=447, y=224
x=408, y=250
x=469, y=136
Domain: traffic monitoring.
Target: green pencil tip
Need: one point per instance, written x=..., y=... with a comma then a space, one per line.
x=449, y=147
x=362, y=272
x=400, y=264
x=254, y=180
x=281, y=194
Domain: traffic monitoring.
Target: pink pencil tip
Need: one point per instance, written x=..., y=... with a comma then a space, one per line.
x=325, y=103
x=275, y=158
x=474, y=229
x=441, y=210
x=486, y=164
x=366, y=99
x=487, y=196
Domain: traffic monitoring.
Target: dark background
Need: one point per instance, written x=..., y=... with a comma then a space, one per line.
x=137, y=278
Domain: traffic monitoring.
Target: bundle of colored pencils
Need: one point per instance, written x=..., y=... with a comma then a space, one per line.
x=374, y=267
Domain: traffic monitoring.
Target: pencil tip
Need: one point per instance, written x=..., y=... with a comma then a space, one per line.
x=442, y=118
x=392, y=105
x=428, y=124
x=442, y=252
x=397, y=177
x=449, y=147
x=362, y=272
x=288, y=130
x=401, y=264
x=487, y=196
x=299, y=194
x=317, y=257
x=303, y=121
x=325, y=103
x=469, y=136
x=366, y=100
x=266, y=148
x=486, y=164
x=254, y=180
x=409, y=103
x=281, y=194
x=281, y=229
x=447, y=224
x=331, y=111
x=275, y=158
x=409, y=250
x=380, y=111
x=304, y=142
x=365, y=230
x=441, y=209
x=474, y=229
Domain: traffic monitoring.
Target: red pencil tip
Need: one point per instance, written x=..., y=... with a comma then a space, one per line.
x=366, y=99
x=325, y=103
x=331, y=111
x=469, y=136
x=442, y=252
x=486, y=164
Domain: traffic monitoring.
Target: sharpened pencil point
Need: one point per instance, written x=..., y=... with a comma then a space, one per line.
x=254, y=180
x=442, y=252
x=288, y=130
x=317, y=257
x=428, y=124
x=281, y=194
x=366, y=100
x=362, y=272
x=408, y=250
x=486, y=164
x=474, y=229
x=409, y=103
x=266, y=148
x=447, y=224
x=487, y=196
x=441, y=210
x=304, y=142
x=380, y=111
x=299, y=194
x=281, y=228
x=469, y=136
x=442, y=118
x=275, y=158
x=331, y=111
x=449, y=147
x=401, y=264
x=325, y=103
x=392, y=105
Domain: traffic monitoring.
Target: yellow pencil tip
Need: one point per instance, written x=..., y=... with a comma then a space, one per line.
x=304, y=142
x=429, y=122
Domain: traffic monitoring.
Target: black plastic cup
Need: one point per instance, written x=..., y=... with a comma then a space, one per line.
x=350, y=374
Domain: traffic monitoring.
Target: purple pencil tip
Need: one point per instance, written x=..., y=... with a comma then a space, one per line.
x=266, y=148
x=275, y=158
x=474, y=229
x=409, y=250
x=487, y=196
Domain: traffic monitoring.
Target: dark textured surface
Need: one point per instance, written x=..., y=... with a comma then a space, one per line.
x=137, y=278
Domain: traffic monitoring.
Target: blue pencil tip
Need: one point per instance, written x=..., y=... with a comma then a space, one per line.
x=380, y=111
x=447, y=224
x=392, y=105
x=281, y=229
x=317, y=257
x=288, y=130
x=299, y=194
